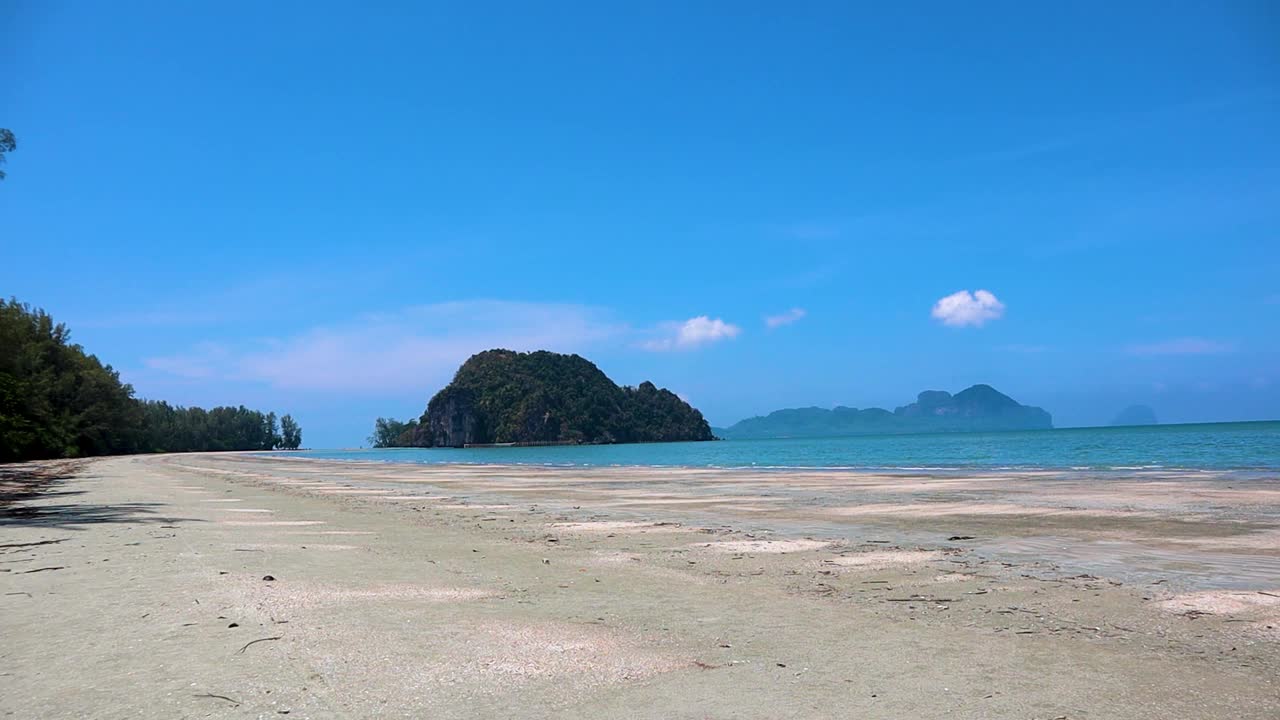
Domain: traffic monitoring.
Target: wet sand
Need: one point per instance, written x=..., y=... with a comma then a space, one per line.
x=136, y=588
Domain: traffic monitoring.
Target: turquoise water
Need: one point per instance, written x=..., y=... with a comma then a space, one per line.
x=1217, y=446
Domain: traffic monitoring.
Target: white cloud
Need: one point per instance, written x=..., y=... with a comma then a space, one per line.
x=698, y=330
x=1182, y=346
x=692, y=333
x=411, y=350
x=966, y=308
x=786, y=318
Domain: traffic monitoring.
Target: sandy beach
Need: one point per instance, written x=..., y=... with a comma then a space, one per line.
x=235, y=586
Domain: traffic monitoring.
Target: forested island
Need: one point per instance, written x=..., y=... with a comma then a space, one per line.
x=57, y=401
x=978, y=408
x=502, y=396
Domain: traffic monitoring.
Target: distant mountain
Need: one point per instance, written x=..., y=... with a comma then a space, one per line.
x=501, y=396
x=978, y=408
x=1136, y=415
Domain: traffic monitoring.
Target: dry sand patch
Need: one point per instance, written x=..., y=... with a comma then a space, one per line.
x=978, y=508
x=636, y=564
x=1245, y=542
x=881, y=559
x=457, y=669
x=1225, y=602
x=1257, y=612
x=617, y=499
x=294, y=595
x=763, y=546
x=954, y=577
x=506, y=651
x=614, y=559
x=270, y=523
x=416, y=497
x=594, y=527
x=308, y=546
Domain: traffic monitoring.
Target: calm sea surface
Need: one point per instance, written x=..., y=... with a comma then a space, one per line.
x=1215, y=446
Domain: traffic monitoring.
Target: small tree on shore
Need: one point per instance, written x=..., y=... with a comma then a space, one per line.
x=290, y=433
x=390, y=433
x=272, y=432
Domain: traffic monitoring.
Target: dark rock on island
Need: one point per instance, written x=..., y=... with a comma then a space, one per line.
x=502, y=396
x=1136, y=415
x=975, y=409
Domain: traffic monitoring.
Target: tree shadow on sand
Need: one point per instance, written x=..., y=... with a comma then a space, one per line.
x=25, y=491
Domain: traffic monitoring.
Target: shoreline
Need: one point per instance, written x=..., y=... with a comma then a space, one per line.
x=402, y=590
x=1167, y=519
x=929, y=471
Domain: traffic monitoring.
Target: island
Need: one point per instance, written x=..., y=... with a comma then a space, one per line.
x=976, y=409
x=1136, y=415
x=546, y=398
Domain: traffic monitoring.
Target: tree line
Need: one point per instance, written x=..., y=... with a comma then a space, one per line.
x=392, y=433
x=57, y=401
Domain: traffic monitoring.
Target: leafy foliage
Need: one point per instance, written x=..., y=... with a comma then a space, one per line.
x=501, y=396
x=390, y=433
x=168, y=428
x=290, y=433
x=58, y=401
x=7, y=145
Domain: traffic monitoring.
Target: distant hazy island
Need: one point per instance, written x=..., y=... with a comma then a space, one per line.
x=501, y=396
x=1136, y=415
x=977, y=408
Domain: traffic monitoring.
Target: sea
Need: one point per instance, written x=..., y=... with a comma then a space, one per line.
x=1238, y=446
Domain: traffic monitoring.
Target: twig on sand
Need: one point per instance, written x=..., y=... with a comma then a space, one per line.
x=33, y=544
x=219, y=697
x=251, y=642
x=57, y=567
x=1261, y=592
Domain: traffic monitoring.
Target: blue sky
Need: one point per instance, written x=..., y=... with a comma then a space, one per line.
x=324, y=208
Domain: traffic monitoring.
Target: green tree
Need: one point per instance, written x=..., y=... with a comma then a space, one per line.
x=56, y=401
x=389, y=432
x=290, y=433
x=7, y=145
x=385, y=432
x=271, y=431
